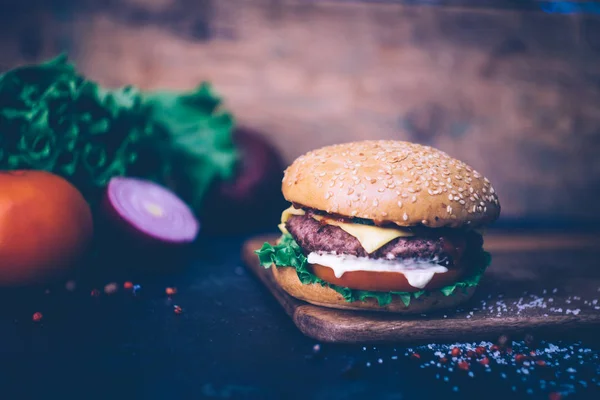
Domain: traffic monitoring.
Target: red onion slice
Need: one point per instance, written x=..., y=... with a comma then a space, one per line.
x=152, y=210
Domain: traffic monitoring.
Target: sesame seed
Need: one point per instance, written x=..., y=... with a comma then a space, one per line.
x=354, y=212
x=400, y=204
x=449, y=209
x=461, y=201
x=328, y=195
x=450, y=197
x=350, y=190
x=414, y=199
x=381, y=190
x=405, y=217
x=323, y=173
x=375, y=203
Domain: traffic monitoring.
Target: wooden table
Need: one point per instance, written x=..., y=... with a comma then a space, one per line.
x=234, y=341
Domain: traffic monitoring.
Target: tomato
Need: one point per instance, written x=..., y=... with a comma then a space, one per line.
x=384, y=281
x=45, y=226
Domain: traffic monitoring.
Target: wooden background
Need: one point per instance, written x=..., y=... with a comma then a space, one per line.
x=511, y=87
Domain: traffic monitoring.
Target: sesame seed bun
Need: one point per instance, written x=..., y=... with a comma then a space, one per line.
x=392, y=182
x=324, y=296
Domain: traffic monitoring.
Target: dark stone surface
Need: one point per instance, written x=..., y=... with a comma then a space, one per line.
x=232, y=341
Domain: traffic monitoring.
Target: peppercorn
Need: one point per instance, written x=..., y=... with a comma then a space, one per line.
x=463, y=365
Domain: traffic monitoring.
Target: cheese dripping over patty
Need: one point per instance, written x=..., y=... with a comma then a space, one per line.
x=370, y=237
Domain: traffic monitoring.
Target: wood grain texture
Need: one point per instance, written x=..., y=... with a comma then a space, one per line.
x=514, y=93
x=509, y=282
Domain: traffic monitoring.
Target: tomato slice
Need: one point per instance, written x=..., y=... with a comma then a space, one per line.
x=384, y=281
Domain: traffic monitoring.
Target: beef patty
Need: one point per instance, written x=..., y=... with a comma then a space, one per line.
x=447, y=246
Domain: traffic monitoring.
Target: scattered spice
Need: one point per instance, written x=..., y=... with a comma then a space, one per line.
x=95, y=293
x=455, y=352
x=463, y=365
x=128, y=285
x=520, y=358
x=415, y=356
x=70, y=286
x=37, y=317
x=484, y=361
x=111, y=288
x=177, y=310
x=170, y=291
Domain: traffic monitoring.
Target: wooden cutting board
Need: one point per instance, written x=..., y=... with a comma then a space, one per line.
x=535, y=283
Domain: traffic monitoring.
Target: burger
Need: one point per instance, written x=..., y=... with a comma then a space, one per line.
x=382, y=225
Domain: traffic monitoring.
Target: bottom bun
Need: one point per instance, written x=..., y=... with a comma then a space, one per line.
x=324, y=296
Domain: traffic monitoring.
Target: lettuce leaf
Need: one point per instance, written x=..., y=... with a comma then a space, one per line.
x=287, y=253
x=55, y=119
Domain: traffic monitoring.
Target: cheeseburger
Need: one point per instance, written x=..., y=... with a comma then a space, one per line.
x=382, y=225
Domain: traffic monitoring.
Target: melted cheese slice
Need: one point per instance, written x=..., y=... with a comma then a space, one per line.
x=370, y=237
x=286, y=214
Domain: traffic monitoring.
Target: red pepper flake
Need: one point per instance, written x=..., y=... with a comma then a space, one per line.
x=415, y=356
x=455, y=352
x=509, y=350
x=494, y=348
x=484, y=361
x=177, y=310
x=520, y=358
x=443, y=360
x=532, y=353
x=541, y=363
x=470, y=353
x=170, y=291
x=480, y=350
x=37, y=317
x=128, y=285
x=95, y=293
x=554, y=396
x=463, y=365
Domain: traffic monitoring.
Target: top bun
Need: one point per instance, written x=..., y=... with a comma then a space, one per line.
x=392, y=182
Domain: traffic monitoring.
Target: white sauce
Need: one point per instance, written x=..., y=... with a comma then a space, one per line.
x=418, y=273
